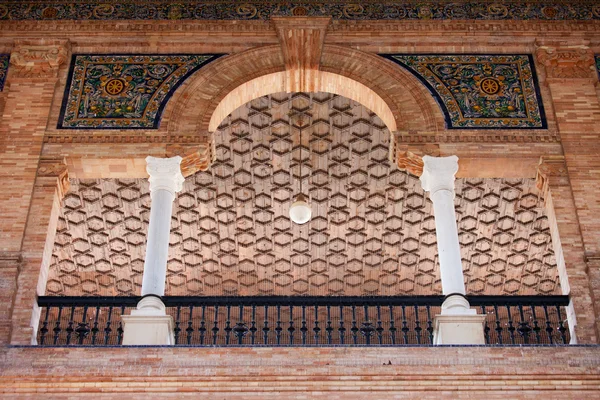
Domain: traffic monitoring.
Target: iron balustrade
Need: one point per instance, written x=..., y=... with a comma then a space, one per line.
x=302, y=321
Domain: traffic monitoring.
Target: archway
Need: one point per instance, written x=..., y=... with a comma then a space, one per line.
x=222, y=86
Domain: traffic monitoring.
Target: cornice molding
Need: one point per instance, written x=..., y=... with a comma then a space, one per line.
x=484, y=137
x=101, y=28
x=125, y=139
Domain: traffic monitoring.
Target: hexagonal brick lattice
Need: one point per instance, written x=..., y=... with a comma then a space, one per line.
x=372, y=230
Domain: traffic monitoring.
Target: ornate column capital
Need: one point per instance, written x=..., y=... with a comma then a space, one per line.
x=439, y=173
x=39, y=58
x=165, y=174
x=57, y=170
x=569, y=62
x=551, y=171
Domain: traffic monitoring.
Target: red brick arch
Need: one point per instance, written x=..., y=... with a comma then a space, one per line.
x=231, y=81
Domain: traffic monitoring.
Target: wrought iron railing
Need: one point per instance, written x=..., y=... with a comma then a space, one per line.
x=302, y=321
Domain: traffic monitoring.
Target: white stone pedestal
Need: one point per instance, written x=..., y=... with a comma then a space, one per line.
x=458, y=323
x=148, y=324
x=459, y=329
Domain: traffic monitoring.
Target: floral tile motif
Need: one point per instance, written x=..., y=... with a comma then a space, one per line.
x=549, y=10
x=123, y=91
x=4, y=59
x=480, y=91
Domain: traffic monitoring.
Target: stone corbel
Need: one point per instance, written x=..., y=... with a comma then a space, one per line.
x=551, y=171
x=194, y=158
x=301, y=40
x=568, y=62
x=54, y=171
x=38, y=58
x=410, y=157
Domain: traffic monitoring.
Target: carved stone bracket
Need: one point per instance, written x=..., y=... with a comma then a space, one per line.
x=574, y=62
x=55, y=168
x=38, y=58
x=301, y=40
x=410, y=157
x=195, y=158
x=551, y=171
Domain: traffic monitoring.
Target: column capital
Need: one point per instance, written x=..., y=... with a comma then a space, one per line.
x=567, y=62
x=439, y=173
x=57, y=170
x=165, y=174
x=39, y=58
x=551, y=171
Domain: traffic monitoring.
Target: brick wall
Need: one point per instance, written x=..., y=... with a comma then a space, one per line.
x=300, y=373
x=29, y=109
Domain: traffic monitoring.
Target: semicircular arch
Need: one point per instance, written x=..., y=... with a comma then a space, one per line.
x=213, y=92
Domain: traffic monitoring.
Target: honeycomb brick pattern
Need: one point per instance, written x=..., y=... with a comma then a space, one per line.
x=372, y=230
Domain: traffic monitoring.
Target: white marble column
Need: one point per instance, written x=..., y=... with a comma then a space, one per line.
x=149, y=323
x=457, y=323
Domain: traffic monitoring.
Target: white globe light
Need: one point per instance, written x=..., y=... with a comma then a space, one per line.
x=300, y=211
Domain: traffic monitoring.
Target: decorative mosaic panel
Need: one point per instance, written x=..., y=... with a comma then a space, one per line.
x=480, y=91
x=252, y=10
x=598, y=64
x=123, y=91
x=4, y=60
x=372, y=230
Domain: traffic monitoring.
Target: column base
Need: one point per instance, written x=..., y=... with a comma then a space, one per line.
x=458, y=323
x=459, y=329
x=148, y=324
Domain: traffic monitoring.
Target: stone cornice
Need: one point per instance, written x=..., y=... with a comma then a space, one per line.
x=125, y=139
x=483, y=137
x=265, y=27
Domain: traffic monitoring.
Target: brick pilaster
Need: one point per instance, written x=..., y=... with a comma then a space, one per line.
x=30, y=85
x=51, y=183
x=571, y=76
x=553, y=181
x=9, y=269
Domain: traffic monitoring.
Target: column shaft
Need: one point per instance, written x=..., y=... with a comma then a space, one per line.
x=149, y=324
x=157, y=246
x=447, y=242
x=457, y=323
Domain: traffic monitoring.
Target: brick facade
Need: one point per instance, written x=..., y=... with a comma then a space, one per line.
x=34, y=152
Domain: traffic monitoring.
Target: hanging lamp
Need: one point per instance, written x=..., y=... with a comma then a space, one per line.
x=300, y=211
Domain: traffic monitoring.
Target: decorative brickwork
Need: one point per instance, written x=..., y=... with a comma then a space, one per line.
x=230, y=10
x=477, y=91
x=123, y=91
